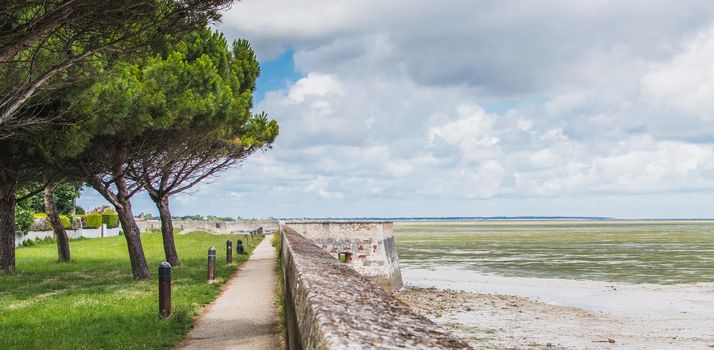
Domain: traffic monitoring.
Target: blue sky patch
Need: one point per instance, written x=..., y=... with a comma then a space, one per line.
x=275, y=74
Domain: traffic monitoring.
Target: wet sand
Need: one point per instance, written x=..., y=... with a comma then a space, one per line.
x=498, y=321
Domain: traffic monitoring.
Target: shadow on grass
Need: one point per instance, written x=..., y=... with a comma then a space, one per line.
x=93, y=302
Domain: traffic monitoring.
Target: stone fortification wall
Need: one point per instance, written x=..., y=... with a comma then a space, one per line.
x=220, y=227
x=331, y=306
x=368, y=247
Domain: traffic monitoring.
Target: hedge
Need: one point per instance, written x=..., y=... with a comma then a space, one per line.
x=93, y=220
x=66, y=222
x=110, y=218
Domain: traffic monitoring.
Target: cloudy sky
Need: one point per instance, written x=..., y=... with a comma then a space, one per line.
x=475, y=108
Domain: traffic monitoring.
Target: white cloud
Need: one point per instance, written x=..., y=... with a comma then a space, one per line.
x=685, y=83
x=317, y=85
x=481, y=108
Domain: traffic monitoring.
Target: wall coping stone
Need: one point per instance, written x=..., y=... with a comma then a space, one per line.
x=351, y=221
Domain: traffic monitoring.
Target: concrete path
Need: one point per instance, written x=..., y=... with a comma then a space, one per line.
x=244, y=316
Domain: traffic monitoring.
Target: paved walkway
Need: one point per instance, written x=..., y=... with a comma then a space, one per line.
x=244, y=316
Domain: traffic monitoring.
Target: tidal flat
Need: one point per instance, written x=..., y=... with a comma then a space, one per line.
x=564, y=284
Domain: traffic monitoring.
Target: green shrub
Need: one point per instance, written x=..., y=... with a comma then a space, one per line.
x=39, y=215
x=93, y=220
x=111, y=218
x=23, y=218
x=66, y=222
x=73, y=219
x=37, y=241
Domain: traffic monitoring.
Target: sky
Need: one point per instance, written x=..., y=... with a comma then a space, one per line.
x=474, y=108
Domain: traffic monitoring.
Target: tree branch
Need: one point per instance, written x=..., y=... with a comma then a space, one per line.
x=33, y=32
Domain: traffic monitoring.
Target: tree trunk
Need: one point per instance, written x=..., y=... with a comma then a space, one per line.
x=133, y=241
x=167, y=230
x=7, y=231
x=122, y=203
x=57, y=227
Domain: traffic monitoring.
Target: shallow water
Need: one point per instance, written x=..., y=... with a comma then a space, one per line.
x=657, y=252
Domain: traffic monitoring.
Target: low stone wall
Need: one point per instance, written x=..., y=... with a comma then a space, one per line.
x=366, y=246
x=86, y=233
x=219, y=227
x=331, y=306
x=98, y=233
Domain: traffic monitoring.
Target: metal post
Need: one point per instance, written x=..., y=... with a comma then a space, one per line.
x=211, y=263
x=164, y=289
x=229, y=251
x=239, y=247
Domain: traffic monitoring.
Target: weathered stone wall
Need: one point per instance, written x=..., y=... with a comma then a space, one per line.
x=369, y=246
x=331, y=306
x=220, y=227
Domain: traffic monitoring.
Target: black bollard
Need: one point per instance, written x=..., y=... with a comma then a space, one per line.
x=239, y=247
x=211, y=263
x=164, y=289
x=229, y=251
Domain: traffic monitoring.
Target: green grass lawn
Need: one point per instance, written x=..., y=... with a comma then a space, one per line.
x=93, y=302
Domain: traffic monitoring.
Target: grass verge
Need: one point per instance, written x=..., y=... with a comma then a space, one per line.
x=92, y=302
x=279, y=292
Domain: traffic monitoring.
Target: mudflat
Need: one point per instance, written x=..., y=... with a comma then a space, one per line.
x=564, y=284
x=496, y=321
